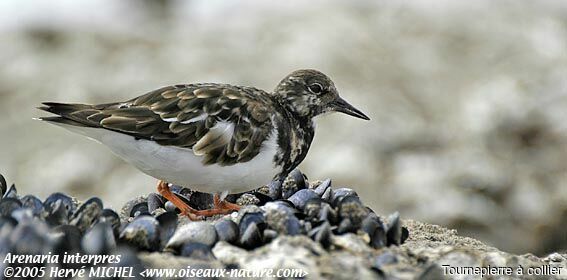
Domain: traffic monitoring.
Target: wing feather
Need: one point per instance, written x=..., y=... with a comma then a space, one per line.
x=222, y=123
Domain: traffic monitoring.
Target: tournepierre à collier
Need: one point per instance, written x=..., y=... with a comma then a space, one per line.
x=214, y=138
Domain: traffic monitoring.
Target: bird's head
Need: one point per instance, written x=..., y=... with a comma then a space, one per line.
x=310, y=93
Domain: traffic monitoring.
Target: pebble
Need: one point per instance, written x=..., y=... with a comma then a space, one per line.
x=143, y=233
x=300, y=198
x=323, y=187
x=87, y=214
x=294, y=182
x=33, y=203
x=197, y=250
x=155, y=201
x=99, y=240
x=227, y=230
x=202, y=232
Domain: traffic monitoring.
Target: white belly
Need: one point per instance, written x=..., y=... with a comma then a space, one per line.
x=182, y=167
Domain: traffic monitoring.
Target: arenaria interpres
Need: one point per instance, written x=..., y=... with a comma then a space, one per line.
x=214, y=138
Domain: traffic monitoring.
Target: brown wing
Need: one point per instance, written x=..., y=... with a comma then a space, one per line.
x=225, y=124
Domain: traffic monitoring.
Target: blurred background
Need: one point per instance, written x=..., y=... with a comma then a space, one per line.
x=468, y=99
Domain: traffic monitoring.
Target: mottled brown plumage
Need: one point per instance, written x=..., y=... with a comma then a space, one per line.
x=183, y=116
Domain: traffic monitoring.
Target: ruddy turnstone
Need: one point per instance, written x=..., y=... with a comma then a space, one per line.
x=214, y=138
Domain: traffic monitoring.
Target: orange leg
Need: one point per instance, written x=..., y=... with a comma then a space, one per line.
x=223, y=204
x=164, y=190
x=220, y=206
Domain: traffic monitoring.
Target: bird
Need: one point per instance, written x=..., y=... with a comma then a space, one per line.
x=212, y=137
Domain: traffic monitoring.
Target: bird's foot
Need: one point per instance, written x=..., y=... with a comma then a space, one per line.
x=221, y=207
x=185, y=209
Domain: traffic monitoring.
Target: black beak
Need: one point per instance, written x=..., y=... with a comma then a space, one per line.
x=340, y=105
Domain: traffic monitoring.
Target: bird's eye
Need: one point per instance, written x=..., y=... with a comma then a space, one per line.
x=315, y=88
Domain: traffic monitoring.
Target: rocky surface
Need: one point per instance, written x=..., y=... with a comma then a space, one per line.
x=427, y=254
x=320, y=231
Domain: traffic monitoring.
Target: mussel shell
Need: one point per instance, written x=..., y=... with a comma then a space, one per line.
x=405, y=235
x=275, y=189
x=126, y=210
x=155, y=201
x=3, y=185
x=300, y=198
x=312, y=209
x=280, y=205
x=327, y=213
x=251, y=237
x=252, y=218
x=227, y=230
x=139, y=209
x=292, y=183
x=350, y=207
x=283, y=203
x=66, y=201
x=8, y=205
x=168, y=224
x=375, y=230
x=197, y=250
x=57, y=214
x=112, y=218
x=394, y=230
x=33, y=203
x=142, y=233
x=346, y=225
x=202, y=232
x=87, y=214
x=322, y=187
x=99, y=239
x=322, y=234
x=263, y=198
x=326, y=196
x=11, y=193
x=292, y=226
x=281, y=219
x=338, y=194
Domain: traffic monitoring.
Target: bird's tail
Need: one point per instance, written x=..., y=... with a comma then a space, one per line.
x=70, y=114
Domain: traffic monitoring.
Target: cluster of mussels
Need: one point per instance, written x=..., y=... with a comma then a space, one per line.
x=150, y=223
x=59, y=227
